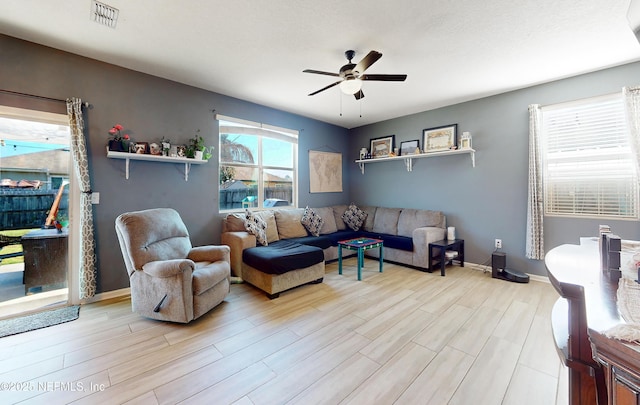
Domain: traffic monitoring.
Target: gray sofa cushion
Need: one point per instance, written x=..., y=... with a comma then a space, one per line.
x=338, y=211
x=234, y=222
x=386, y=220
x=289, y=225
x=368, y=222
x=329, y=224
x=410, y=219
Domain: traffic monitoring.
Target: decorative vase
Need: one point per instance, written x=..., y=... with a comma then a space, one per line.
x=199, y=155
x=115, y=146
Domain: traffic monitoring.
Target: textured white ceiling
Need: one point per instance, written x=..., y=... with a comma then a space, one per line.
x=452, y=51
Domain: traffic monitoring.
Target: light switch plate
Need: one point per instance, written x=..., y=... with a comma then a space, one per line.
x=95, y=198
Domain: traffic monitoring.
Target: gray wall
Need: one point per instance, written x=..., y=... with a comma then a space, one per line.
x=150, y=108
x=483, y=203
x=490, y=200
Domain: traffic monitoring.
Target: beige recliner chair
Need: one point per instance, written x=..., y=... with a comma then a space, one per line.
x=170, y=280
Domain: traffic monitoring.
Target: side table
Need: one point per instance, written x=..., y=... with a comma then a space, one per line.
x=360, y=245
x=446, y=245
x=45, y=258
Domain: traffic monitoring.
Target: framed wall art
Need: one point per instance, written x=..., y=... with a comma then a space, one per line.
x=382, y=147
x=409, y=147
x=439, y=139
x=325, y=172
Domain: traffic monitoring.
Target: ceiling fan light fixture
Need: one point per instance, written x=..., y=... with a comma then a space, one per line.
x=351, y=86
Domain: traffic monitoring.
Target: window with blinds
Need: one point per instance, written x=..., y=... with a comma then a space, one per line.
x=587, y=163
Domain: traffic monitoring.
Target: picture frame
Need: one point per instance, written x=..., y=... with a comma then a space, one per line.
x=382, y=147
x=440, y=139
x=142, y=148
x=409, y=147
x=182, y=151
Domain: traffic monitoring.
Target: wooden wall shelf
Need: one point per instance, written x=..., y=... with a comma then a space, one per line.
x=408, y=160
x=127, y=157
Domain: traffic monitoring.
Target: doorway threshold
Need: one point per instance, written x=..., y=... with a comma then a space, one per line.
x=34, y=303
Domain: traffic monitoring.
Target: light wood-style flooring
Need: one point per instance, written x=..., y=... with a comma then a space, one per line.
x=398, y=337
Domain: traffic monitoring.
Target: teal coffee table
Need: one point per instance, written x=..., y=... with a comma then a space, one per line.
x=360, y=245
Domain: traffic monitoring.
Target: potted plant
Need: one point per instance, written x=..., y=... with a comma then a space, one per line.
x=196, y=147
x=119, y=142
x=208, y=153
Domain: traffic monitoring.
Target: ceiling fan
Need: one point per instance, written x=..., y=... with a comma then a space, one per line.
x=351, y=75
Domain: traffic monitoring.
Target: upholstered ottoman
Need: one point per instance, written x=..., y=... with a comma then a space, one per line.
x=282, y=265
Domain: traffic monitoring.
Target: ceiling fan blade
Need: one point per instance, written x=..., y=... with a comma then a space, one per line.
x=325, y=88
x=385, y=78
x=359, y=95
x=367, y=61
x=320, y=72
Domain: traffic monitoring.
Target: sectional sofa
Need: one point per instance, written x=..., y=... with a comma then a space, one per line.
x=276, y=250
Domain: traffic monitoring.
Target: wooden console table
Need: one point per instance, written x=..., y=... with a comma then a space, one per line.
x=601, y=370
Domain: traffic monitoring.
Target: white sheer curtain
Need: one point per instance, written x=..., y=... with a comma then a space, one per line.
x=535, y=201
x=81, y=166
x=631, y=96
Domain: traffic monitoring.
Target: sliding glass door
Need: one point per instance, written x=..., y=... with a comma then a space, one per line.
x=35, y=183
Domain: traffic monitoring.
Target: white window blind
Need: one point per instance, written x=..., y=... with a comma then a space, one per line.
x=587, y=160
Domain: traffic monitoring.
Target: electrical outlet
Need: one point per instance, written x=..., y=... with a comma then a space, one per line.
x=498, y=243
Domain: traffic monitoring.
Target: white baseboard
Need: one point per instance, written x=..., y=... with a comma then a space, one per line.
x=127, y=291
x=484, y=268
x=108, y=295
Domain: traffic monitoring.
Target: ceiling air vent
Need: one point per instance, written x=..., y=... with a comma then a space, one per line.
x=103, y=14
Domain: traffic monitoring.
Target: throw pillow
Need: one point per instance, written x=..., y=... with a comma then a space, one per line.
x=256, y=226
x=233, y=223
x=354, y=217
x=269, y=219
x=288, y=223
x=312, y=221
